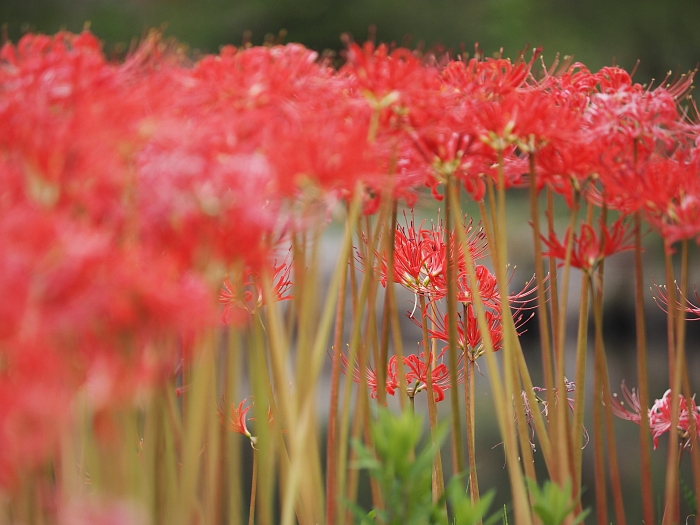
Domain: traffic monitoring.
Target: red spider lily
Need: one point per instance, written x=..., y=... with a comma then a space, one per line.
x=238, y=420
x=248, y=295
x=661, y=299
x=631, y=114
x=469, y=338
x=57, y=94
x=392, y=376
x=485, y=76
x=488, y=289
x=257, y=98
x=660, y=414
x=660, y=417
x=37, y=386
x=632, y=400
x=418, y=371
x=390, y=79
x=417, y=260
x=643, y=138
x=671, y=198
x=476, y=242
x=588, y=250
x=420, y=257
x=468, y=334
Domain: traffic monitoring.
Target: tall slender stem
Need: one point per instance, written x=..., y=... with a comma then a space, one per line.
x=502, y=393
x=542, y=316
x=452, y=224
x=601, y=498
x=438, y=484
x=469, y=390
x=672, y=503
x=602, y=399
x=253, y=487
x=642, y=377
x=332, y=432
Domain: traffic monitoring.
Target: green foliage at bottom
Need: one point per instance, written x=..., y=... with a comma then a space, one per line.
x=404, y=475
x=553, y=504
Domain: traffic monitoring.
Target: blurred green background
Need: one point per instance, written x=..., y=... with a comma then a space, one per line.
x=662, y=35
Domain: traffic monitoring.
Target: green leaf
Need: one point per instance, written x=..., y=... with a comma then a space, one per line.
x=552, y=503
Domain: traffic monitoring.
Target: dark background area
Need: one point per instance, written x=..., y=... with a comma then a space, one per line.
x=662, y=36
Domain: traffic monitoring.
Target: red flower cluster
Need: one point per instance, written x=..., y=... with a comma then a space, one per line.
x=416, y=375
x=130, y=190
x=588, y=249
x=420, y=257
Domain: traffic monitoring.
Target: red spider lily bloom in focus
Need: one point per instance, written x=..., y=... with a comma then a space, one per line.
x=488, y=289
x=420, y=257
x=660, y=414
x=469, y=338
x=588, y=249
x=238, y=422
x=248, y=295
x=417, y=370
x=417, y=261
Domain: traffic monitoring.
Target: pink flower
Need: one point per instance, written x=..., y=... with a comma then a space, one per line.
x=660, y=414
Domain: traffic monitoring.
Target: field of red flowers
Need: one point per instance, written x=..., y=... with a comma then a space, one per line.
x=160, y=219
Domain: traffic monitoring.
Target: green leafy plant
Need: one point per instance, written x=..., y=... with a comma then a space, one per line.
x=404, y=476
x=553, y=503
x=464, y=511
x=689, y=496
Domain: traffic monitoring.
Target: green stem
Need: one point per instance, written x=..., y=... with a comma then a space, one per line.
x=542, y=317
x=469, y=403
x=601, y=498
x=565, y=458
x=362, y=299
x=253, y=489
x=502, y=393
x=438, y=484
x=642, y=377
x=452, y=224
x=302, y=460
x=603, y=399
x=332, y=494
x=511, y=347
x=672, y=504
